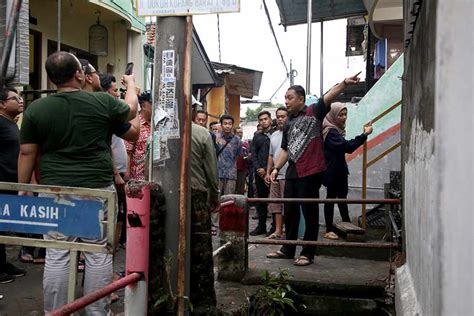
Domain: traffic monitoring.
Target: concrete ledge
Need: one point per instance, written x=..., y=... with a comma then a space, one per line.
x=406, y=302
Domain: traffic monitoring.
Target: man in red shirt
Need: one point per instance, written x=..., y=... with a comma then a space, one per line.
x=302, y=147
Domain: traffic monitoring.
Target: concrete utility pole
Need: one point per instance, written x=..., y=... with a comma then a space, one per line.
x=172, y=122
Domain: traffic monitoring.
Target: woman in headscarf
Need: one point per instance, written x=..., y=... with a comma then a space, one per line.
x=337, y=172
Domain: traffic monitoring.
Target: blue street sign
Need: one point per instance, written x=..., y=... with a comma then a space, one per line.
x=41, y=215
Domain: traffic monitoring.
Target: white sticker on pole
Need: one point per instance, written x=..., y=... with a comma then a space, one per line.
x=185, y=7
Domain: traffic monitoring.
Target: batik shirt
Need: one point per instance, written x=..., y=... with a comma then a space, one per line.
x=137, y=151
x=303, y=141
x=226, y=162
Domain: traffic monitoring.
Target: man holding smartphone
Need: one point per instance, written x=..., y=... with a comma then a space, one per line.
x=76, y=153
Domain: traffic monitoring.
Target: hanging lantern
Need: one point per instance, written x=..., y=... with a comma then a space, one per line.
x=98, y=38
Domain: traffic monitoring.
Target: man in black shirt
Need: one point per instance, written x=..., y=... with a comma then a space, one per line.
x=10, y=106
x=260, y=148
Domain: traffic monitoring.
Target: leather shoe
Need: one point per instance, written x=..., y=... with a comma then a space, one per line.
x=258, y=231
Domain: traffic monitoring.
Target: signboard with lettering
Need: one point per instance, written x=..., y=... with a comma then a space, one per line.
x=43, y=215
x=185, y=7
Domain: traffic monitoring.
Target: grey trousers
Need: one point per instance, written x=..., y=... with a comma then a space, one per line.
x=98, y=273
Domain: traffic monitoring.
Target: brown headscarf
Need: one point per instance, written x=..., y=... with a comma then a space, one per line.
x=330, y=121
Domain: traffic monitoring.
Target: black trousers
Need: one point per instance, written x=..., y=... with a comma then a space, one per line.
x=306, y=187
x=3, y=253
x=3, y=257
x=262, y=191
x=336, y=190
x=122, y=213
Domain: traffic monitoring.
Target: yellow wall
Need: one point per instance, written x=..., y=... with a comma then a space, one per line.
x=234, y=108
x=216, y=102
x=77, y=17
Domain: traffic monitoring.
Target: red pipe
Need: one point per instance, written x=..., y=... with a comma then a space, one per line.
x=138, y=206
x=90, y=298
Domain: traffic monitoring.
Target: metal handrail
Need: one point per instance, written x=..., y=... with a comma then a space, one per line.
x=326, y=244
x=366, y=164
x=90, y=298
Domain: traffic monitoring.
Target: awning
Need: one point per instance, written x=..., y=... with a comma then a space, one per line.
x=294, y=12
x=238, y=80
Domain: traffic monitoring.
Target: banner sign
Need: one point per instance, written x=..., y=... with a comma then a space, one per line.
x=185, y=7
x=43, y=215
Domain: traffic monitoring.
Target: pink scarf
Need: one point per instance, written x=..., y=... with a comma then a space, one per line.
x=330, y=121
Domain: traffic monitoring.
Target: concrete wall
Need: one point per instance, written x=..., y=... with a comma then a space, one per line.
x=454, y=151
x=437, y=121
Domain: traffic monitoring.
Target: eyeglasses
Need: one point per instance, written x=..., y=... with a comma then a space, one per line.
x=16, y=98
x=88, y=70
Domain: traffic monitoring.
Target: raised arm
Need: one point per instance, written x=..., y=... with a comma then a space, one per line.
x=335, y=91
x=131, y=95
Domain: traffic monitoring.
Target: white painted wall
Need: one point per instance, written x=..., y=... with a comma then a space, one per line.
x=454, y=151
x=422, y=227
x=437, y=278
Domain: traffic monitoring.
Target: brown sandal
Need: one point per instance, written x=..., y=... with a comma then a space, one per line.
x=275, y=236
x=277, y=255
x=302, y=261
x=331, y=235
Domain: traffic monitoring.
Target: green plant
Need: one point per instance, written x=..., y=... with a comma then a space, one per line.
x=167, y=300
x=275, y=297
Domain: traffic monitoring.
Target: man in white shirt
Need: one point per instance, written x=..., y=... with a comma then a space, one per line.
x=277, y=188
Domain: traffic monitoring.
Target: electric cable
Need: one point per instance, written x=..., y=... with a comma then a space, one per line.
x=278, y=88
x=274, y=36
x=219, y=38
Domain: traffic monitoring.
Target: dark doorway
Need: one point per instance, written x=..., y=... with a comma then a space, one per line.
x=53, y=46
x=35, y=60
x=79, y=53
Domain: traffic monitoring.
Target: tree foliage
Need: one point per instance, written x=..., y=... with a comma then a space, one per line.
x=252, y=115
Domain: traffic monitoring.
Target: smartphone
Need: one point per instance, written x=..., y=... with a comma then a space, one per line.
x=129, y=69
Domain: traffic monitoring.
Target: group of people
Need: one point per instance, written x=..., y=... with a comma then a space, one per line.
x=306, y=149
x=86, y=136
x=82, y=136
x=312, y=150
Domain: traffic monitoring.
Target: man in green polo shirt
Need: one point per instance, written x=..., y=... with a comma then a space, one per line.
x=71, y=133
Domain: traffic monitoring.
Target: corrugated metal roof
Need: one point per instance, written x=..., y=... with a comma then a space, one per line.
x=239, y=80
x=293, y=12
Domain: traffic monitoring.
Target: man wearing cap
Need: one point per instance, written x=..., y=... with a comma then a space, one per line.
x=137, y=150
